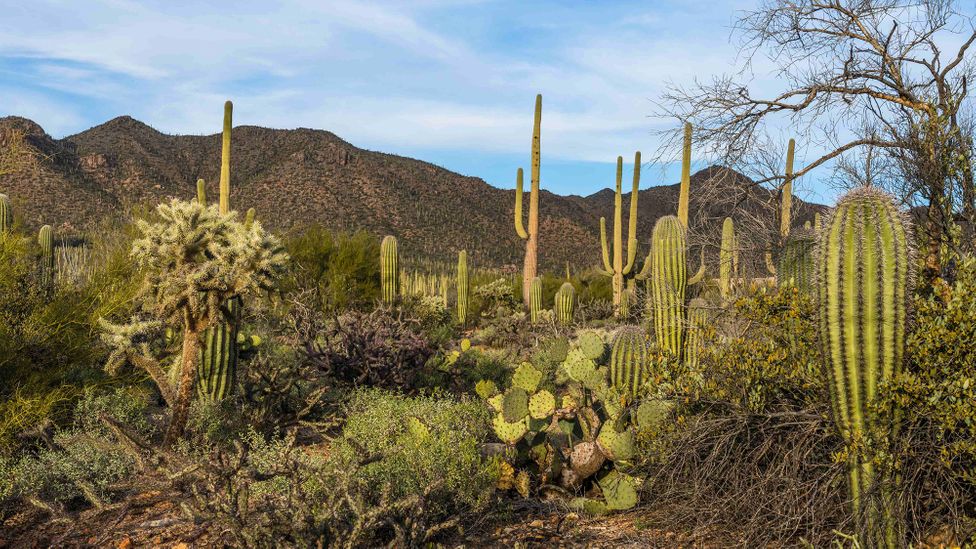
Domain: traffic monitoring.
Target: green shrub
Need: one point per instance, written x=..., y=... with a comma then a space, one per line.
x=343, y=268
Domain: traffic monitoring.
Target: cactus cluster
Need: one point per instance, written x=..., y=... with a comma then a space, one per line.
x=865, y=270
x=573, y=430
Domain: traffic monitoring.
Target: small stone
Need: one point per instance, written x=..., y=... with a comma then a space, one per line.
x=536, y=524
x=125, y=543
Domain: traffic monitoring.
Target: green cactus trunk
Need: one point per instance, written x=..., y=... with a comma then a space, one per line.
x=535, y=299
x=865, y=265
x=389, y=270
x=728, y=268
x=217, y=369
x=45, y=239
x=615, y=268
x=531, y=236
x=249, y=217
x=462, y=288
x=684, y=193
x=667, y=282
x=697, y=318
x=795, y=268
x=786, y=200
x=444, y=287
x=218, y=356
x=202, y=192
x=6, y=214
x=629, y=359
x=565, y=302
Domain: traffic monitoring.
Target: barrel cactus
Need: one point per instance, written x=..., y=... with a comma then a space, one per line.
x=389, y=269
x=6, y=214
x=535, y=299
x=629, y=358
x=565, y=301
x=462, y=287
x=865, y=268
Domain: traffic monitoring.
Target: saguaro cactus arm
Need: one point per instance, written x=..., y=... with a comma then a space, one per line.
x=519, y=227
x=607, y=267
x=700, y=273
x=225, y=159
x=685, y=192
x=786, y=201
x=632, y=220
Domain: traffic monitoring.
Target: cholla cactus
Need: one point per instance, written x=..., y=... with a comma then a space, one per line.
x=196, y=260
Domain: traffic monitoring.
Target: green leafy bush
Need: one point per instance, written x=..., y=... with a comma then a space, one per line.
x=343, y=268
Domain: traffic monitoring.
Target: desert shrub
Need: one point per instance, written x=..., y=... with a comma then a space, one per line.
x=81, y=463
x=403, y=471
x=435, y=320
x=343, y=268
x=495, y=297
x=381, y=348
x=458, y=369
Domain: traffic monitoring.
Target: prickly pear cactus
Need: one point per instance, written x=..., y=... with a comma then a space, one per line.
x=515, y=404
x=542, y=405
x=526, y=377
x=592, y=345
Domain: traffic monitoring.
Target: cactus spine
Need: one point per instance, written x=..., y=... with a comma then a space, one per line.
x=462, y=287
x=531, y=236
x=616, y=269
x=685, y=191
x=629, y=358
x=6, y=214
x=865, y=265
x=389, y=269
x=218, y=354
x=535, y=299
x=565, y=301
x=728, y=259
x=45, y=238
x=667, y=281
x=202, y=192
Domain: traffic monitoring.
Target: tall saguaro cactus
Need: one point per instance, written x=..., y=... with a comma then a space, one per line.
x=45, y=239
x=865, y=266
x=462, y=287
x=218, y=352
x=531, y=236
x=6, y=214
x=629, y=360
x=616, y=269
x=685, y=191
x=667, y=280
x=728, y=268
x=786, y=200
x=389, y=269
x=225, y=158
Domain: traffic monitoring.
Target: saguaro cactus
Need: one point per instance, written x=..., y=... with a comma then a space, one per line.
x=389, y=269
x=225, y=159
x=218, y=353
x=565, y=302
x=728, y=268
x=249, y=217
x=45, y=238
x=202, y=192
x=629, y=358
x=531, y=236
x=6, y=214
x=685, y=190
x=786, y=200
x=535, y=299
x=865, y=266
x=462, y=287
x=795, y=267
x=697, y=317
x=667, y=281
x=616, y=269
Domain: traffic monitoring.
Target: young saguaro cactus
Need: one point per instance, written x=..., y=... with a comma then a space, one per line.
x=565, y=302
x=728, y=269
x=629, y=358
x=685, y=190
x=616, y=269
x=45, y=239
x=535, y=299
x=865, y=265
x=531, y=236
x=6, y=214
x=697, y=317
x=462, y=287
x=202, y=192
x=786, y=200
x=389, y=269
x=225, y=158
x=795, y=267
x=667, y=281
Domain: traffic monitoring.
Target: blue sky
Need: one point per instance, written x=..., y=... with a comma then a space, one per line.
x=448, y=81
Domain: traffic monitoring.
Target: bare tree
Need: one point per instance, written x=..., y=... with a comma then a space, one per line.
x=861, y=77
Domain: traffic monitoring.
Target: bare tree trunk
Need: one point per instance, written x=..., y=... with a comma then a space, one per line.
x=933, y=267
x=184, y=393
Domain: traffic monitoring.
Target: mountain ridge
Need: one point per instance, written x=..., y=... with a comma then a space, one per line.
x=294, y=177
